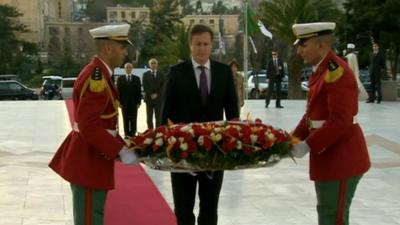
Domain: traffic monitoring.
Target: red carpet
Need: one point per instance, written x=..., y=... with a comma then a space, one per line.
x=135, y=199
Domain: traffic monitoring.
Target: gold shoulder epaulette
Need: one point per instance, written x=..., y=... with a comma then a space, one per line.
x=97, y=82
x=335, y=71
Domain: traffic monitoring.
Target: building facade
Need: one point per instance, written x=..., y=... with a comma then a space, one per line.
x=227, y=24
x=120, y=14
x=36, y=13
x=69, y=39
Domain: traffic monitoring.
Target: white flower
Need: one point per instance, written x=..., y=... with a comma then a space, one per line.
x=201, y=140
x=171, y=140
x=159, y=134
x=159, y=142
x=271, y=136
x=253, y=138
x=215, y=137
x=181, y=139
x=217, y=129
x=238, y=145
x=184, y=146
x=148, y=141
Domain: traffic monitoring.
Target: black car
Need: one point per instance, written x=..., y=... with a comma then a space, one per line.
x=14, y=90
x=365, y=80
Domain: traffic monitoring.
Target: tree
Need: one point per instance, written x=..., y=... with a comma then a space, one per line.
x=219, y=8
x=10, y=46
x=374, y=21
x=187, y=8
x=280, y=15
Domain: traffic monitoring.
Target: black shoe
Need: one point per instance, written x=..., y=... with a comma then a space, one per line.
x=378, y=102
x=279, y=107
x=370, y=101
x=266, y=106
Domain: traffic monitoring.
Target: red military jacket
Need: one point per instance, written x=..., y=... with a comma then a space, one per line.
x=338, y=148
x=86, y=157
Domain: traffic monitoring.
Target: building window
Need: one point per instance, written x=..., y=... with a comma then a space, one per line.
x=113, y=14
x=201, y=21
x=191, y=22
x=143, y=15
x=212, y=22
x=123, y=15
x=133, y=15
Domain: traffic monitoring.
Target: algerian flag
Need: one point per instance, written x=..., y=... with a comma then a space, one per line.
x=254, y=25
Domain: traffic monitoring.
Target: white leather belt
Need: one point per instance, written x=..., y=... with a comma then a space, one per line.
x=315, y=124
x=76, y=129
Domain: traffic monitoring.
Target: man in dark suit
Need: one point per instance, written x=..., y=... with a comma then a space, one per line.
x=376, y=71
x=198, y=90
x=275, y=75
x=130, y=93
x=153, y=81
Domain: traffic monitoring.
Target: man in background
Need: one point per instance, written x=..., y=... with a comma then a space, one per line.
x=130, y=93
x=153, y=81
x=275, y=75
x=377, y=69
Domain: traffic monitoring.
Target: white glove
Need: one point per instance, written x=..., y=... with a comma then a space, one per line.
x=300, y=150
x=128, y=157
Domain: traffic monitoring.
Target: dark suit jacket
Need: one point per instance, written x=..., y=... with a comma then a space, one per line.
x=378, y=66
x=271, y=70
x=130, y=93
x=152, y=85
x=182, y=100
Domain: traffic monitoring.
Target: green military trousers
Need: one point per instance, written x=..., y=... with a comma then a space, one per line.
x=88, y=205
x=334, y=200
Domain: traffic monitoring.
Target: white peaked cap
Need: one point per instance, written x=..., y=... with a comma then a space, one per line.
x=118, y=32
x=351, y=46
x=308, y=30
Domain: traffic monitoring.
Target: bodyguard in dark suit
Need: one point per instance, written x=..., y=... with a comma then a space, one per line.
x=153, y=81
x=129, y=89
x=198, y=90
x=376, y=71
x=275, y=75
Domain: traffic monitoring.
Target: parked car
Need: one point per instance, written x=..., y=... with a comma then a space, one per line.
x=51, y=87
x=14, y=90
x=257, y=84
x=67, y=86
x=365, y=80
x=9, y=77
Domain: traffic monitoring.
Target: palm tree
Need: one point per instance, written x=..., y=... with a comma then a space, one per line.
x=280, y=15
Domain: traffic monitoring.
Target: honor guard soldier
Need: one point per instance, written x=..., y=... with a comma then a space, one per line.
x=329, y=129
x=86, y=157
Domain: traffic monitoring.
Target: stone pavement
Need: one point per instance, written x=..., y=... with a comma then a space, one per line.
x=31, y=194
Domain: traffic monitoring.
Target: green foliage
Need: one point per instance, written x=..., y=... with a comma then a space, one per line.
x=219, y=8
x=280, y=15
x=377, y=21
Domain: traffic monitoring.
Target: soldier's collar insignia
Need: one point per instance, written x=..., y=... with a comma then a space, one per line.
x=96, y=74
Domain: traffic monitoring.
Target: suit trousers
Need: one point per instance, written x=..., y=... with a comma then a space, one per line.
x=376, y=88
x=334, y=200
x=184, y=193
x=152, y=108
x=273, y=84
x=88, y=205
x=129, y=116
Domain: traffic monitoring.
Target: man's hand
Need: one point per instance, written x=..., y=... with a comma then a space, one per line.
x=128, y=157
x=153, y=96
x=300, y=150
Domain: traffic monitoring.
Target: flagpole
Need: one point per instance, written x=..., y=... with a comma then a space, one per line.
x=245, y=50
